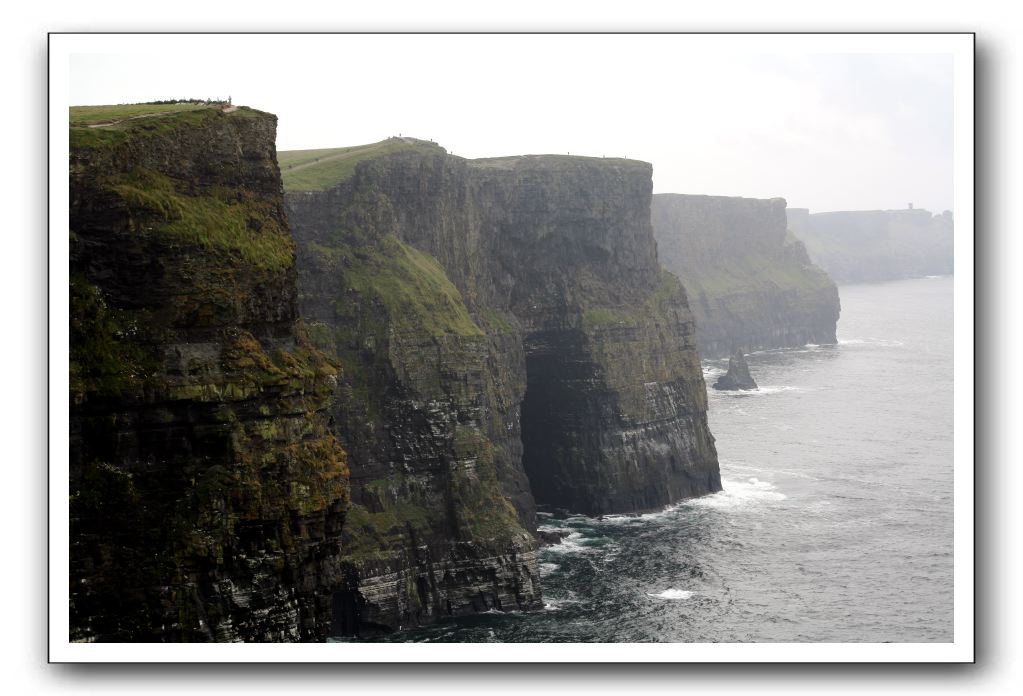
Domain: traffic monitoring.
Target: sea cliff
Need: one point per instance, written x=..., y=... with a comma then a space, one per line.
x=750, y=282
x=507, y=336
x=206, y=492
x=334, y=411
x=865, y=246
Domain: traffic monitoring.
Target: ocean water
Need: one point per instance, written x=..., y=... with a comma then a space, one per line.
x=836, y=519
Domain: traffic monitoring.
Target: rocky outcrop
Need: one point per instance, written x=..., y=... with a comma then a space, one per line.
x=506, y=334
x=206, y=492
x=738, y=376
x=864, y=246
x=751, y=284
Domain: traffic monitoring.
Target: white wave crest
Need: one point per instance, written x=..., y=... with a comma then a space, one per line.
x=886, y=342
x=548, y=568
x=569, y=544
x=738, y=494
x=671, y=593
x=762, y=390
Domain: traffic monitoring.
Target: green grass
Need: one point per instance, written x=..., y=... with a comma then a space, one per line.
x=85, y=115
x=166, y=119
x=413, y=288
x=560, y=160
x=224, y=220
x=317, y=170
x=743, y=274
x=599, y=316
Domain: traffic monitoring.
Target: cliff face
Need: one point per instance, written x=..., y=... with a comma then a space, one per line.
x=206, y=493
x=497, y=319
x=751, y=284
x=874, y=245
x=614, y=414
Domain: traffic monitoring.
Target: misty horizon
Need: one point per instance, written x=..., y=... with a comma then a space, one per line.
x=825, y=131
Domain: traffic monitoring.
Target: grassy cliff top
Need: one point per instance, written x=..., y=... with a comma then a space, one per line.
x=317, y=170
x=554, y=161
x=99, y=126
x=111, y=113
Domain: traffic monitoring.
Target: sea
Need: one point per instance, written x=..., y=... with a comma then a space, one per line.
x=835, y=523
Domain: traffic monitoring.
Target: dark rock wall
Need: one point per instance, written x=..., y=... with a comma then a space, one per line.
x=875, y=245
x=550, y=346
x=751, y=284
x=206, y=493
x=427, y=408
x=614, y=415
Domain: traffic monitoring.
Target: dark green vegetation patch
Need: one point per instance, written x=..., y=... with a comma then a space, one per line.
x=219, y=219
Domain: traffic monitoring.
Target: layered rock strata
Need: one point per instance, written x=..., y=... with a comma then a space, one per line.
x=206, y=493
x=864, y=246
x=751, y=284
x=507, y=335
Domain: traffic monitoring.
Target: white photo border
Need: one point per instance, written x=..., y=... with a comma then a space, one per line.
x=959, y=45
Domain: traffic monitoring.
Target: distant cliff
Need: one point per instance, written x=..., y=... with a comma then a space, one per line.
x=750, y=283
x=206, y=493
x=506, y=334
x=873, y=245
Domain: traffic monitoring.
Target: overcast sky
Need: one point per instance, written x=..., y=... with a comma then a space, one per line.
x=825, y=131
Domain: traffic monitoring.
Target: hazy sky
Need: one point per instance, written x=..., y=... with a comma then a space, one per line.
x=825, y=131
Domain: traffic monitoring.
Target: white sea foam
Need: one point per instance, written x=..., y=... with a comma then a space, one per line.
x=620, y=520
x=569, y=544
x=738, y=494
x=548, y=568
x=805, y=348
x=886, y=342
x=671, y=593
x=762, y=390
x=555, y=603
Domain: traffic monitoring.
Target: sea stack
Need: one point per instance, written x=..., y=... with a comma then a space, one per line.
x=738, y=376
